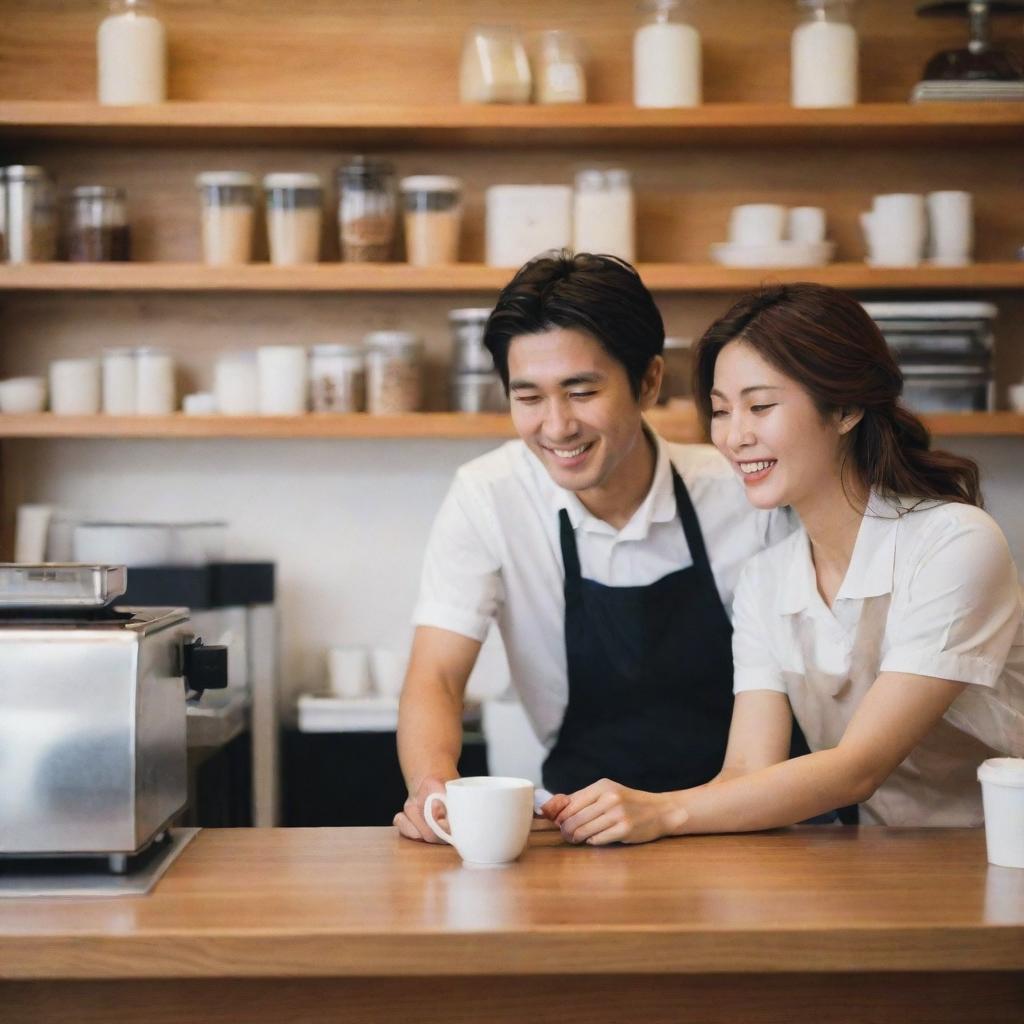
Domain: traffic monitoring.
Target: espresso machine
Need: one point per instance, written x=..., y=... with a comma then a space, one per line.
x=93, y=703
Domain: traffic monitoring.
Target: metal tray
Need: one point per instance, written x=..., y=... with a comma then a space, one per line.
x=60, y=585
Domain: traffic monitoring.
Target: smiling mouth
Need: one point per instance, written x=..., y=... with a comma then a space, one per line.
x=568, y=454
x=756, y=470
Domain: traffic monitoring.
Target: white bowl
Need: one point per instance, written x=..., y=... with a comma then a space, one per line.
x=1016, y=395
x=23, y=395
x=777, y=254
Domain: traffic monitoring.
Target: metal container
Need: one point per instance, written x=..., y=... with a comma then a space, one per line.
x=30, y=216
x=92, y=735
x=468, y=326
x=478, y=392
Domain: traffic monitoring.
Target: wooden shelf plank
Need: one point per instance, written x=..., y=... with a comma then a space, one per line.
x=676, y=425
x=261, y=124
x=471, y=277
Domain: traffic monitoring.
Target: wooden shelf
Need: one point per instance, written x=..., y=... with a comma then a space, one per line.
x=471, y=277
x=733, y=124
x=675, y=425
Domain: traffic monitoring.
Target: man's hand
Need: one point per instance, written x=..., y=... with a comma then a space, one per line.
x=410, y=821
x=607, y=812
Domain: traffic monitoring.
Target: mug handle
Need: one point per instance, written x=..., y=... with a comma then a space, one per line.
x=428, y=813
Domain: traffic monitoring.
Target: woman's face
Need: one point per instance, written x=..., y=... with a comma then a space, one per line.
x=769, y=428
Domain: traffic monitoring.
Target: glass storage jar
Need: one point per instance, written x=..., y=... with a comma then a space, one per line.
x=294, y=217
x=96, y=229
x=131, y=54
x=495, y=67
x=394, y=372
x=666, y=58
x=560, y=74
x=227, y=202
x=824, y=55
x=477, y=391
x=338, y=378
x=432, y=206
x=604, y=213
x=366, y=210
x=467, y=327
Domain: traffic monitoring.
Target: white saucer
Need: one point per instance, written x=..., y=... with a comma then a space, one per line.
x=777, y=254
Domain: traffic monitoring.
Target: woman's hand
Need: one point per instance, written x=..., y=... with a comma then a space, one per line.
x=609, y=813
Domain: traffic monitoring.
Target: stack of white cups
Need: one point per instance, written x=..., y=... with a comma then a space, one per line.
x=902, y=227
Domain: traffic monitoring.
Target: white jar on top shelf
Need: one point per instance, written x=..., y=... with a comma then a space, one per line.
x=131, y=54
x=824, y=71
x=666, y=58
x=604, y=213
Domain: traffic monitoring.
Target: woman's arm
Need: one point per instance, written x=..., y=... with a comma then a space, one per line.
x=895, y=715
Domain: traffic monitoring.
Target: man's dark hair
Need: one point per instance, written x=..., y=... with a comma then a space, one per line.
x=601, y=295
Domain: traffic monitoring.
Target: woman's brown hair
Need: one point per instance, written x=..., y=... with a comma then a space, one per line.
x=825, y=341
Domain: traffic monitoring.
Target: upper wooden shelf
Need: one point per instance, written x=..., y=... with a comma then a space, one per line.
x=673, y=424
x=405, y=125
x=471, y=277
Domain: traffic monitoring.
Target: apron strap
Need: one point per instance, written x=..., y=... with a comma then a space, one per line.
x=570, y=556
x=692, y=531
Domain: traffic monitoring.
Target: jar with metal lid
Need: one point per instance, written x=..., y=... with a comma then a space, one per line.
x=495, y=67
x=477, y=391
x=294, y=216
x=96, y=226
x=824, y=55
x=394, y=372
x=677, y=383
x=367, y=210
x=338, y=378
x=30, y=215
x=667, y=63
x=560, y=77
x=433, y=217
x=131, y=54
x=467, y=327
x=227, y=201
x=604, y=213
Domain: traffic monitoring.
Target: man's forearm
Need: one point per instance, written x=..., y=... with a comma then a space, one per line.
x=429, y=734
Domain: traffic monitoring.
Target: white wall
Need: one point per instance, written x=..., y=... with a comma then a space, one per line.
x=346, y=521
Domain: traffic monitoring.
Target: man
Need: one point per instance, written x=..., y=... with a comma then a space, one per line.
x=606, y=556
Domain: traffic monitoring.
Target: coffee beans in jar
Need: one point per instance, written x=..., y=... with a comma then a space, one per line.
x=97, y=226
x=394, y=372
x=338, y=378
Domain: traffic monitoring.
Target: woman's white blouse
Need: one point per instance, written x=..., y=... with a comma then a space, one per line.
x=930, y=590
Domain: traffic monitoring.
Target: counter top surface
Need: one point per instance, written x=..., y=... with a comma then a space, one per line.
x=363, y=902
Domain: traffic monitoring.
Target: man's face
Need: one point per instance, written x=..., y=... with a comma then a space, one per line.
x=573, y=406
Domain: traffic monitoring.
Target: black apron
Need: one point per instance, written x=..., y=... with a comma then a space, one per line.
x=650, y=675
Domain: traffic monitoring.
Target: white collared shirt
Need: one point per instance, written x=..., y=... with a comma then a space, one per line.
x=932, y=592
x=494, y=555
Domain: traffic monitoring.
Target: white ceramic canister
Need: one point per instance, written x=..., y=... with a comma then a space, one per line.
x=131, y=55
x=154, y=382
x=119, y=382
x=604, y=214
x=283, y=384
x=824, y=56
x=75, y=387
x=236, y=384
x=667, y=64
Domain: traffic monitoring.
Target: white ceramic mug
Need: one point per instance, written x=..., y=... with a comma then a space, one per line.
x=489, y=818
x=389, y=669
x=75, y=387
x=1002, y=793
x=757, y=224
x=895, y=230
x=950, y=228
x=806, y=224
x=348, y=671
x=23, y=395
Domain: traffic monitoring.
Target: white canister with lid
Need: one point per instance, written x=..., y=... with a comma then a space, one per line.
x=824, y=56
x=432, y=205
x=604, y=216
x=282, y=380
x=236, y=384
x=294, y=217
x=154, y=382
x=131, y=55
x=394, y=372
x=338, y=378
x=75, y=387
x=667, y=64
x=226, y=206
x=524, y=221
x=119, y=381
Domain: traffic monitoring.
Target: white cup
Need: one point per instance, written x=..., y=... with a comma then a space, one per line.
x=806, y=224
x=23, y=395
x=283, y=380
x=489, y=818
x=389, y=671
x=950, y=228
x=348, y=671
x=1002, y=793
x=75, y=387
x=236, y=384
x=1016, y=395
x=757, y=224
x=895, y=230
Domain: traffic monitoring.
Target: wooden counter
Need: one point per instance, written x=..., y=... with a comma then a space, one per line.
x=357, y=924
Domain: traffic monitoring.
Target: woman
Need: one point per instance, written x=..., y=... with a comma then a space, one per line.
x=891, y=621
